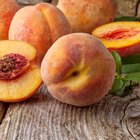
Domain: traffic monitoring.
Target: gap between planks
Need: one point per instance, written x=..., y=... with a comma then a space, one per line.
x=3, y=110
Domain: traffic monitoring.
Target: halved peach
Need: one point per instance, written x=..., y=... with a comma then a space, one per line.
x=19, y=74
x=123, y=37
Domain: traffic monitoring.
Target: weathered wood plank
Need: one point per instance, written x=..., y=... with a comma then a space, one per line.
x=43, y=118
x=27, y=2
x=126, y=7
x=3, y=108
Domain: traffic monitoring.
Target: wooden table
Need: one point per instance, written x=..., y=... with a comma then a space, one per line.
x=43, y=118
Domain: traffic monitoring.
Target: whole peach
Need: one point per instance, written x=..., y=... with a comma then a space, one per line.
x=86, y=15
x=39, y=25
x=78, y=69
x=8, y=8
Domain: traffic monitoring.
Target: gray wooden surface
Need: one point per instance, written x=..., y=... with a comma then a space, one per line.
x=43, y=118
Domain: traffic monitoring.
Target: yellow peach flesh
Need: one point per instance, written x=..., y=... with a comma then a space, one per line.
x=122, y=42
x=18, y=47
x=22, y=87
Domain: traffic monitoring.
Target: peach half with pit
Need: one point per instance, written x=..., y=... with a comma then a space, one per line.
x=78, y=69
x=122, y=37
x=19, y=74
x=40, y=25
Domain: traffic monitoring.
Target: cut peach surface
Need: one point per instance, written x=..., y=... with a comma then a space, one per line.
x=18, y=47
x=123, y=37
x=18, y=87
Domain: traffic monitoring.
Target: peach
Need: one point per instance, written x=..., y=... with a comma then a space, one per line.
x=19, y=74
x=123, y=37
x=39, y=25
x=86, y=15
x=8, y=8
x=78, y=69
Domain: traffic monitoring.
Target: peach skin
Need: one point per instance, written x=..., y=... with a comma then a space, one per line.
x=8, y=8
x=78, y=69
x=86, y=15
x=39, y=25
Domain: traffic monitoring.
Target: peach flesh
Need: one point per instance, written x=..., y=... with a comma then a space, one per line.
x=78, y=69
x=119, y=34
x=123, y=34
x=122, y=37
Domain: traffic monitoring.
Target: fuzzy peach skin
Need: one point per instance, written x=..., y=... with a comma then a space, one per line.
x=123, y=37
x=86, y=15
x=78, y=69
x=8, y=8
x=39, y=25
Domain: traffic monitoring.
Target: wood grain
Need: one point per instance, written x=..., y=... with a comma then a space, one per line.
x=43, y=118
x=126, y=7
x=54, y=2
x=31, y=2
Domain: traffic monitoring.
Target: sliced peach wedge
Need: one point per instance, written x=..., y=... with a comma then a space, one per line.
x=123, y=37
x=19, y=74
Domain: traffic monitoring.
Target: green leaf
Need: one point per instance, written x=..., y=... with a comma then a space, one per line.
x=135, y=77
x=126, y=83
x=118, y=62
x=131, y=59
x=127, y=18
x=131, y=68
x=117, y=85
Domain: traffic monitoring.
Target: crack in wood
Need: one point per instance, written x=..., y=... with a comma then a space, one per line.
x=130, y=132
x=5, y=108
x=123, y=117
x=136, y=8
